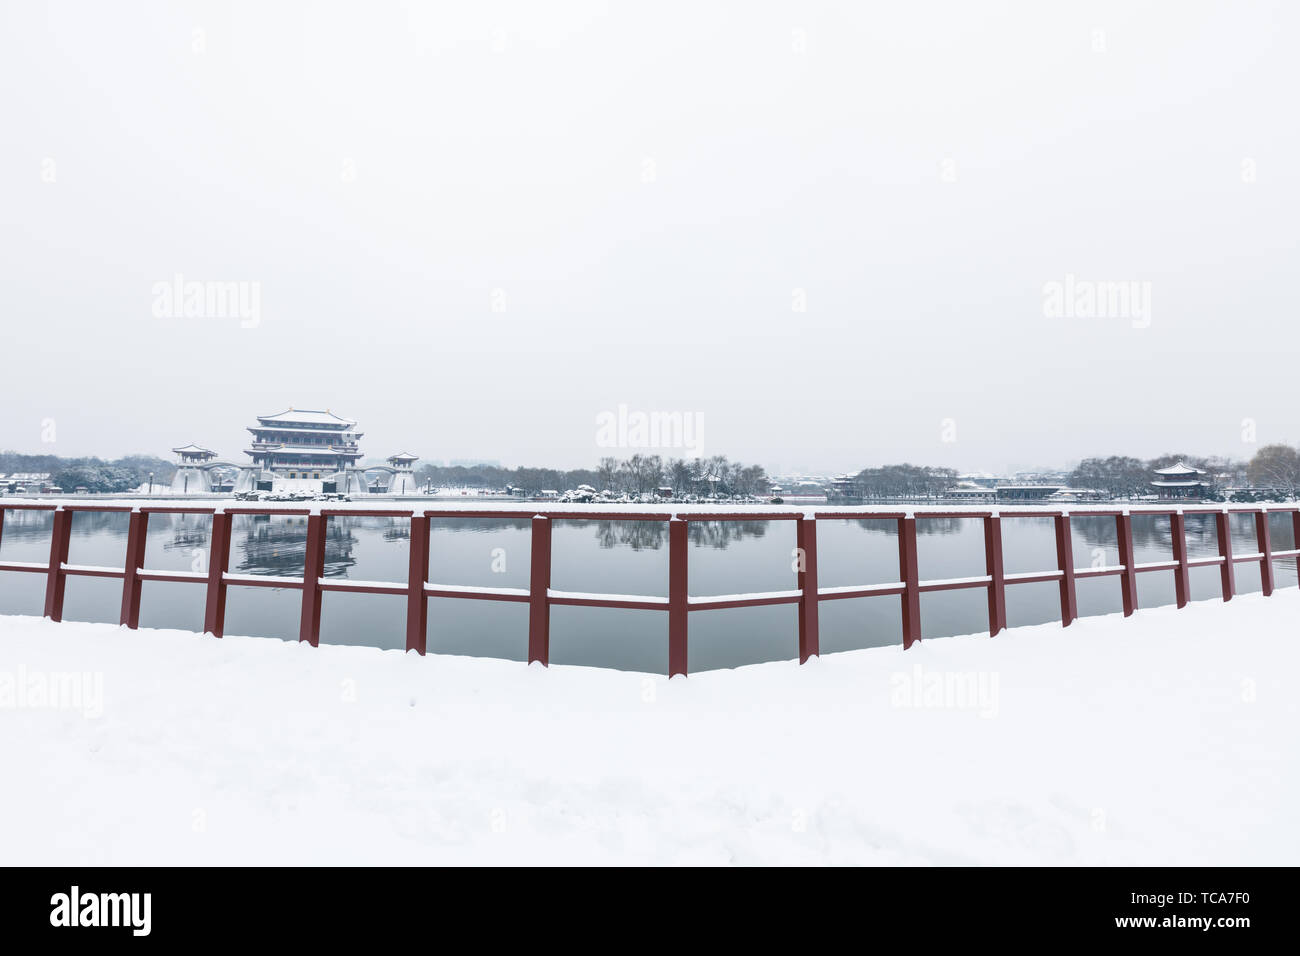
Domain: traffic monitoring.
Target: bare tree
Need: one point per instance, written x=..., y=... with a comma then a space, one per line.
x=606, y=471
x=1277, y=467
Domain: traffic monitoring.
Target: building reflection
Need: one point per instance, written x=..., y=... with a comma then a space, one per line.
x=277, y=545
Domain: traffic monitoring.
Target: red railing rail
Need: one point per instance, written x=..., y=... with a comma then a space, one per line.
x=541, y=597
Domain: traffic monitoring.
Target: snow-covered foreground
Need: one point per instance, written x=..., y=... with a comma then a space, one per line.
x=1170, y=738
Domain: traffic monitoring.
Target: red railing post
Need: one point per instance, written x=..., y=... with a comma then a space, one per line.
x=1227, y=576
x=1295, y=537
x=417, y=605
x=1065, y=563
x=56, y=580
x=313, y=568
x=678, y=606
x=994, y=569
x=539, y=584
x=907, y=570
x=806, y=581
x=1178, y=533
x=136, y=534
x=214, y=615
x=2, y=525
x=1127, y=577
x=1266, y=552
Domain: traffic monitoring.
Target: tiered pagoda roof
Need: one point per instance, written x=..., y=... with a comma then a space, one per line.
x=1178, y=475
x=194, y=450
x=307, y=416
x=304, y=439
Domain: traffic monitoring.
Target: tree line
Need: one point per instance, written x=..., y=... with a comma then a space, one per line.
x=903, y=481
x=636, y=475
x=94, y=474
x=1273, y=471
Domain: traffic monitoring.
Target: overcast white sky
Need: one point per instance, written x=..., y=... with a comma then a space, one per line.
x=647, y=185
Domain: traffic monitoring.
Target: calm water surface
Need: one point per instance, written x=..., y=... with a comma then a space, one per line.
x=616, y=557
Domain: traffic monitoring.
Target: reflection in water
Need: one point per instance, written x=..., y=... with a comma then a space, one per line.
x=479, y=525
x=277, y=545
x=1151, y=533
x=637, y=535
x=1202, y=538
x=186, y=539
x=924, y=526
x=720, y=534
x=28, y=525
x=653, y=535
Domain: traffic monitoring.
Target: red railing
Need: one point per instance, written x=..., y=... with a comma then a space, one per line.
x=541, y=597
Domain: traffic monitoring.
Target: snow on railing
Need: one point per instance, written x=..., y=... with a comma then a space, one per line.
x=541, y=597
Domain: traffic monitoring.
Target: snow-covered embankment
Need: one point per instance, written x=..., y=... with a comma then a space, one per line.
x=1167, y=738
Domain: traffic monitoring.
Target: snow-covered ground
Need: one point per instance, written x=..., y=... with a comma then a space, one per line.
x=1170, y=738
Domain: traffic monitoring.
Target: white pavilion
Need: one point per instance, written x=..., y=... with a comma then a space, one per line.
x=403, y=479
x=193, y=477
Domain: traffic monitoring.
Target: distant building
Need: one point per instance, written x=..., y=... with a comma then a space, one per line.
x=403, y=479
x=1080, y=494
x=1034, y=492
x=844, y=488
x=304, y=450
x=1180, y=482
x=970, y=491
x=193, y=476
x=27, y=483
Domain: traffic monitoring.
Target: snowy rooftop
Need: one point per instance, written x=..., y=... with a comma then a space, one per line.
x=307, y=416
x=1180, y=468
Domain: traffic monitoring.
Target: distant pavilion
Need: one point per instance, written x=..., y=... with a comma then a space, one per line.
x=402, y=481
x=193, y=476
x=1180, y=481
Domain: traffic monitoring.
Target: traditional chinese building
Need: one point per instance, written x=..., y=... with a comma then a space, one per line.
x=1180, y=481
x=1030, y=492
x=304, y=450
x=193, y=474
x=403, y=479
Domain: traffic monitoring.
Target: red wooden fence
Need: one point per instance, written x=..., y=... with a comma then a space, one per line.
x=541, y=597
